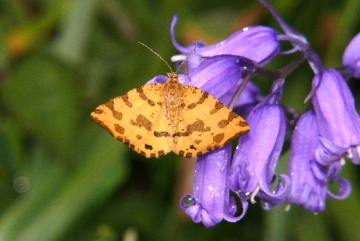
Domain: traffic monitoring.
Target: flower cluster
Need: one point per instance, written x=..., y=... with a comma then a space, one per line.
x=324, y=136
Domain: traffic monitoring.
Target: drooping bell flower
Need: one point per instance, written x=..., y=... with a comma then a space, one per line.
x=254, y=162
x=309, y=179
x=211, y=202
x=338, y=121
x=257, y=43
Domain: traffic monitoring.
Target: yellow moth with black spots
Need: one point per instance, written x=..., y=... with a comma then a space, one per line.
x=158, y=118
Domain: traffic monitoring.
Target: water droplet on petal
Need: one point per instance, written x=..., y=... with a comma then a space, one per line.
x=187, y=201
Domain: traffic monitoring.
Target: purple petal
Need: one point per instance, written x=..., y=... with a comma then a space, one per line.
x=334, y=169
x=257, y=43
x=270, y=198
x=219, y=67
x=196, y=212
x=257, y=152
x=248, y=99
x=211, y=201
x=335, y=110
x=158, y=79
x=306, y=189
x=220, y=76
x=354, y=154
x=351, y=57
x=183, y=79
x=344, y=190
x=327, y=152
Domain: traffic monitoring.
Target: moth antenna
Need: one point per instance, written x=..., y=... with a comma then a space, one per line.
x=157, y=55
x=187, y=57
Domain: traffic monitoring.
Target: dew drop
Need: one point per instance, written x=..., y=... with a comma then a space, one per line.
x=187, y=201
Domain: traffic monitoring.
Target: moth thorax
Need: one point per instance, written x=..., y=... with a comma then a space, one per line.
x=172, y=97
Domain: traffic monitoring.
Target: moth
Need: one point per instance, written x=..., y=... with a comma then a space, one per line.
x=158, y=118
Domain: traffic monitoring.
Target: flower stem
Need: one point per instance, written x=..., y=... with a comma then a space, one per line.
x=282, y=72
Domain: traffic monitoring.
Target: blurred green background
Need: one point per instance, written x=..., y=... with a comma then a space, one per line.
x=62, y=177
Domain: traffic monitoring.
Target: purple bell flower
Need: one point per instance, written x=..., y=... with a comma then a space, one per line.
x=309, y=179
x=351, y=57
x=221, y=76
x=338, y=121
x=211, y=201
x=257, y=43
x=254, y=162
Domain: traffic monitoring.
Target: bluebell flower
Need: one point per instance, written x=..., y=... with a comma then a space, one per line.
x=351, y=57
x=321, y=140
x=339, y=123
x=221, y=75
x=309, y=179
x=257, y=43
x=256, y=156
x=211, y=201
